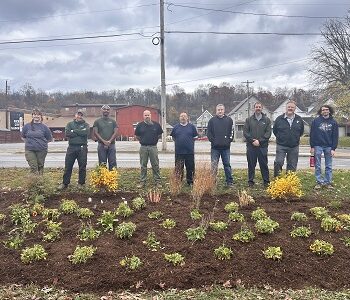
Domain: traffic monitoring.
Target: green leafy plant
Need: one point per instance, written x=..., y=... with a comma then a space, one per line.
x=152, y=243
x=155, y=214
x=31, y=254
x=124, y=210
x=195, y=214
x=54, y=230
x=38, y=199
x=266, y=225
x=82, y=254
x=231, y=207
x=37, y=209
x=301, y=231
x=175, y=258
x=138, y=203
x=245, y=235
x=236, y=216
x=28, y=226
x=51, y=213
x=125, y=230
x=15, y=241
x=107, y=220
x=319, y=212
x=274, y=253
x=344, y=218
x=331, y=224
x=84, y=213
x=346, y=241
x=196, y=234
x=259, y=214
x=218, y=226
x=168, y=223
x=298, y=216
x=19, y=214
x=2, y=217
x=321, y=247
x=88, y=233
x=68, y=206
x=223, y=252
x=131, y=263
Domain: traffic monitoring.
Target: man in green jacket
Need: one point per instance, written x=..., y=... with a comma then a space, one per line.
x=77, y=132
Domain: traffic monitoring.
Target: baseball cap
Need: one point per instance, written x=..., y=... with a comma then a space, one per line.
x=105, y=107
x=80, y=111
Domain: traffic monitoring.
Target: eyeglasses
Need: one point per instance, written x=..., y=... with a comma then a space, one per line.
x=325, y=109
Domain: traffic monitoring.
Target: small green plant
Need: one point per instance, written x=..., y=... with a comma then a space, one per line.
x=331, y=224
x=168, y=223
x=195, y=214
x=223, y=252
x=266, y=225
x=84, y=213
x=38, y=199
x=346, y=241
x=51, y=214
x=82, y=254
x=125, y=230
x=68, y=206
x=301, y=231
x=31, y=254
x=336, y=203
x=54, y=230
x=196, y=234
x=131, y=263
x=245, y=235
x=231, y=207
x=259, y=214
x=28, y=226
x=152, y=243
x=107, y=220
x=2, y=217
x=15, y=241
x=218, y=226
x=124, y=210
x=175, y=258
x=319, y=212
x=37, y=209
x=19, y=214
x=236, y=216
x=344, y=218
x=138, y=203
x=274, y=253
x=298, y=216
x=321, y=247
x=88, y=233
x=155, y=214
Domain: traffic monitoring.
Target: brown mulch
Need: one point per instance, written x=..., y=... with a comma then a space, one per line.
x=299, y=267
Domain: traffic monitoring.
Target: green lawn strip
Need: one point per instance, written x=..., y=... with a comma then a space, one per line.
x=344, y=141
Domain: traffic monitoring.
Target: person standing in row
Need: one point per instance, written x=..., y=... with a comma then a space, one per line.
x=36, y=136
x=77, y=132
x=324, y=135
x=105, y=129
x=148, y=133
x=220, y=135
x=183, y=135
x=257, y=132
x=288, y=129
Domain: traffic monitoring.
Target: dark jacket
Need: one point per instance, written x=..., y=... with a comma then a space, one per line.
x=324, y=132
x=257, y=130
x=287, y=135
x=77, y=132
x=220, y=132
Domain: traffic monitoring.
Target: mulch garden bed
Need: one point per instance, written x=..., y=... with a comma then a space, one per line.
x=299, y=267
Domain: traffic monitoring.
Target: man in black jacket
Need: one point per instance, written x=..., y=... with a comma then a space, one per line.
x=288, y=129
x=220, y=134
x=257, y=132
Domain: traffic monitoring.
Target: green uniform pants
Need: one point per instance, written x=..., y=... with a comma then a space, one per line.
x=149, y=153
x=36, y=160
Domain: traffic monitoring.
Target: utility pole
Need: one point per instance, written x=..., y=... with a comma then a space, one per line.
x=247, y=85
x=7, y=87
x=162, y=76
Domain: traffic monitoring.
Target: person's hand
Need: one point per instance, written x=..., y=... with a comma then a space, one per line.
x=256, y=143
x=332, y=153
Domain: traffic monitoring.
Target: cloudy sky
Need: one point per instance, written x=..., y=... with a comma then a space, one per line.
x=130, y=60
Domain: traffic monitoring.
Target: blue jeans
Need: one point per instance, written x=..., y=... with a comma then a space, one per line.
x=107, y=153
x=327, y=178
x=225, y=157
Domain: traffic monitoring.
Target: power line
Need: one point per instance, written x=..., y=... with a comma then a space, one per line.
x=271, y=3
x=246, y=33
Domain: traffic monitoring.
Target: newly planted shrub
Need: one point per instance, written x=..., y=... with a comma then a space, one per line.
x=331, y=224
x=82, y=254
x=195, y=234
x=175, y=258
x=152, y=243
x=168, y=223
x=131, y=263
x=259, y=214
x=107, y=220
x=31, y=254
x=218, y=226
x=103, y=179
x=321, y=247
x=155, y=214
x=274, y=253
x=54, y=230
x=236, y=216
x=223, y=252
x=28, y=226
x=68, y=206
x=245, y=235
x=19, y=214
x=2, y=217
x=37, y=209
x=125, y=230
x=15, y=241
x=88, y=233
x=84, y=213
x=344, y=218
x=138, y=203
x=301, y=231
x=285, y=186
x=266, y=225
x=319, y=212
x=195, y=214
x=346, y=241
x=298, y=216
x=51, y=214
x=124, y=210
x=231, y=207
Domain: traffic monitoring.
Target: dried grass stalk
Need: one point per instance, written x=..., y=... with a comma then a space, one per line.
x=244, y=198
x=175, y=183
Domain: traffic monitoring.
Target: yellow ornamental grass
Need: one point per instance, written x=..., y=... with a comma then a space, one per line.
x=103, y=179
x=285, y=187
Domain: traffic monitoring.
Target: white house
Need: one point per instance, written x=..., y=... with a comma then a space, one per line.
x=202, y=122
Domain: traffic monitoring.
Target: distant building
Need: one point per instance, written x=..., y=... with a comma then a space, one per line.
x=202, y=123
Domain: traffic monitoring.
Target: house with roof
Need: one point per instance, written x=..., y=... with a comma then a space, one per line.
x=202, y=123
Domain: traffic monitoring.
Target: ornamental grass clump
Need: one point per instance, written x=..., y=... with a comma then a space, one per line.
x=203, y=182
x=103, y=179
x=175, y=182
x=286, y=186
x=244, y=198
